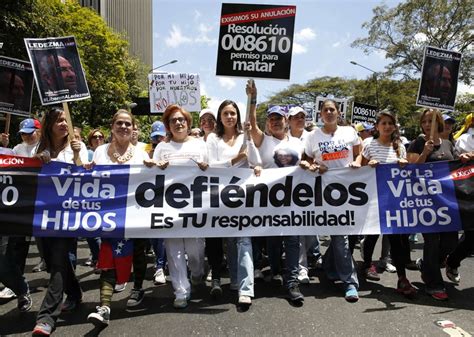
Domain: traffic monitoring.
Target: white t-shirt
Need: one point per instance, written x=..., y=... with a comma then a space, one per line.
x=383, y=154
x=187, y=154
x=25, y=150
x=67, y=155
x=221, y=154
x=280, y=153
x=333, y=151
x=465, y=142
x=101, y=156
x=303, y=137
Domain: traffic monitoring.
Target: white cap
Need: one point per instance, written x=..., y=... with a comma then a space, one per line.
x=296, y=110
x=207, y=111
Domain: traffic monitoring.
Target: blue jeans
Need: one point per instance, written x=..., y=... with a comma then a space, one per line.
x=13, y=253
x=239, y=254
x=160, y=252
x=338, y=261
x=292, y=251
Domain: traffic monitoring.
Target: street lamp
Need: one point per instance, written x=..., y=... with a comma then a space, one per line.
x=375, y=77
x=170, y=62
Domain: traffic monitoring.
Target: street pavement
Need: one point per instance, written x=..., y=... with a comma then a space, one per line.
x=379, y=312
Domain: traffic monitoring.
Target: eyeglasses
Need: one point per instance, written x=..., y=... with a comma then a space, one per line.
x=181, y=120
x=98, y=136
x=120, y=123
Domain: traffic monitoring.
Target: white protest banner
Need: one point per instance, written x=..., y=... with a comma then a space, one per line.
x=59, y=75
x=16, y=86
x=256, y=40
x=319, y=102
x=363, y=113
x=439, y=79
x=174, y=88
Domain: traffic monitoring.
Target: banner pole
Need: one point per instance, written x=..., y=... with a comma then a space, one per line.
x=77, y=160
x=8, y=118
x=433, y=124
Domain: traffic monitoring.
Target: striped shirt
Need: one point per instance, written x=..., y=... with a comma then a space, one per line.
x=383, y=154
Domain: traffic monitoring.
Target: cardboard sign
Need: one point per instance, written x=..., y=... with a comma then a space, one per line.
x=319, y=102
x=57, y=68
x=16, y=86
x=363, y=113
x=256, y=41
x=439, y=79
x=174, y=88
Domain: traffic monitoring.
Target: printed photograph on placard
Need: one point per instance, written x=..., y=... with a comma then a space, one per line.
x=16, y=86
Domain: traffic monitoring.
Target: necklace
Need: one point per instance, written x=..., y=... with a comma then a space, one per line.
x=329, y=132
x=124, y=157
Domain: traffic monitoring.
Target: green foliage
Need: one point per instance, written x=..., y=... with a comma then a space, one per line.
x=402, y=33
x=113, y=76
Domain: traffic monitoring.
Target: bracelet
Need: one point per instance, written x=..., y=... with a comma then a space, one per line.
x=253, y=101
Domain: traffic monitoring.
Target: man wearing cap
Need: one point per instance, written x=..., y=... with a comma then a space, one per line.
x=30, y=134
x=157, y=135
x=448, y=128
x=297, y=121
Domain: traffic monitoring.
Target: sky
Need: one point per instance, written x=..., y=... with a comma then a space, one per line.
x=188, y=30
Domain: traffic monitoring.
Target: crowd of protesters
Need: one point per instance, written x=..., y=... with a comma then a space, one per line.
x=223, y=140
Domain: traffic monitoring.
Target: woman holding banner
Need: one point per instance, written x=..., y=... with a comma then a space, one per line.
x=277, y=149
x=429, y=147
x=182, y=149
x=335, y=146
x=228, y=148
x=116, y=267
x=55, y=145
x=386, y=147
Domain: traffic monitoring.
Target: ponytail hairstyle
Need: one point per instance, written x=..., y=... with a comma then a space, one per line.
x=395, y=136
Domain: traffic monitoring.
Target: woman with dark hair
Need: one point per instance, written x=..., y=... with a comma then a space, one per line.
x=386, y=147
x=184, y=150
x=227, y=147
x=335, y=146
x=437, y=246
x=55, y=145
x=119, y=151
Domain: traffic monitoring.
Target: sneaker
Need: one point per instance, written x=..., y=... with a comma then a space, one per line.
x=295, y=294
x=413, y=238
x=180, y=303
x=216, y=290
x=7, y=294
x=453, y=274
x=351, y=294
x=258, y=275
x=411, y=265
x=41, y=266
x=120, y=287
x=319, y=264
x=209, y=276
x=159, y=277
x=438, y=294
x=371, y=273
x=405, y=288
x=136, y=297
x=277, y=280
x=70, y=304
x=303, y=276
x=24, y=302
x=245, y=300
x=385, y=264
x=42, y=329
x=100, y=318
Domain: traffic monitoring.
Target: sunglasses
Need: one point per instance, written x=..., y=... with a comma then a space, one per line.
x=98, y=137
x=181, y=120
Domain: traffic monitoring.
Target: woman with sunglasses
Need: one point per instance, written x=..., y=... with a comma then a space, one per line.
x=95, y=139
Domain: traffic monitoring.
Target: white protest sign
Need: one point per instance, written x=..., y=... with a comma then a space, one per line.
x=174, y=88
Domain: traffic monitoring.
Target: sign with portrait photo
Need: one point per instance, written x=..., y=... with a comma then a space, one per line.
x=16, y=86
x=57, y=68
x=439, y=79
x=256, y=40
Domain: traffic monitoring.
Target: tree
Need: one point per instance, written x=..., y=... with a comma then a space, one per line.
x=402, y=33
x=113, y=76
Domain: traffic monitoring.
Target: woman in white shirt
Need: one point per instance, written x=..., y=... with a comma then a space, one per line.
x=334, y=146
x=227, y=148
x=54, y=145
x=119, y=151
x=182, y=149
